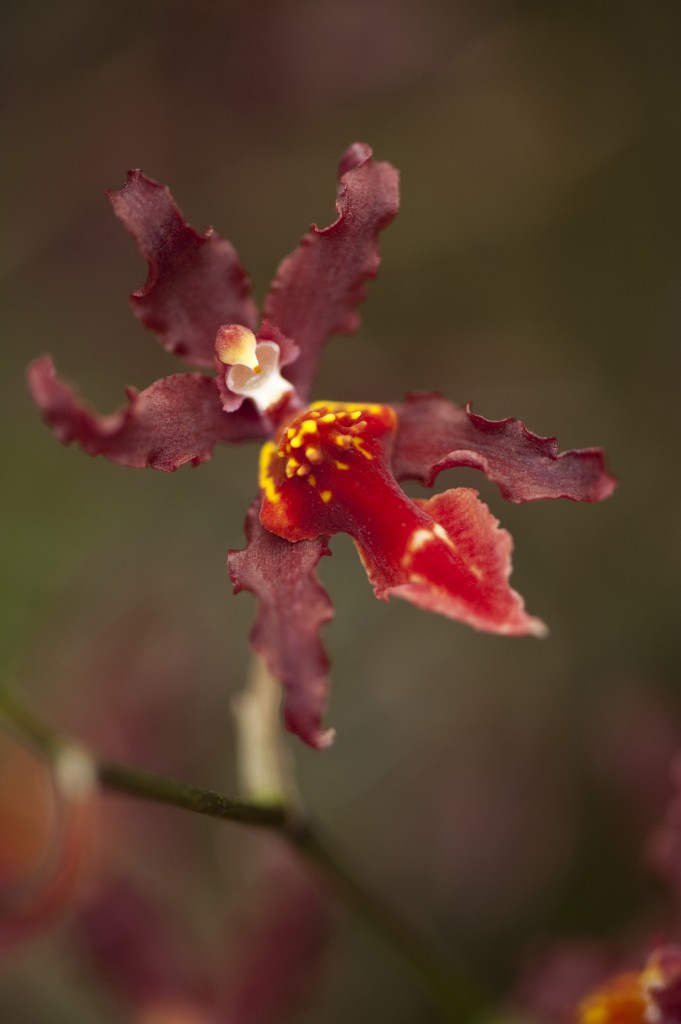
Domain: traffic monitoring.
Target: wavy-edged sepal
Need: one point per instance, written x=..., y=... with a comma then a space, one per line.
x=195, y=283
x=318, y=287
x=455, y=561
x=176, y=420
x=292, y=607
x=434, y=434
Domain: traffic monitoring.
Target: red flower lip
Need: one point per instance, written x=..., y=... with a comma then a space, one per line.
x=328, y=467
x=444, y=554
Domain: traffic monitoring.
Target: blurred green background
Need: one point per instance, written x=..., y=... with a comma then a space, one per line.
x=497, y=791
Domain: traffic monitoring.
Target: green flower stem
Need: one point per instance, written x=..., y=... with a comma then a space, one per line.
x=458, y=998
x=162, y=789
x=456, y=994
x=26, y=726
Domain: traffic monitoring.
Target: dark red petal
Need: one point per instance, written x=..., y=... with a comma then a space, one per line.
x=176, y=420
x=136, y=946
x=195, y=282
x=292, y=608
x=317, y=287
x=435, y=434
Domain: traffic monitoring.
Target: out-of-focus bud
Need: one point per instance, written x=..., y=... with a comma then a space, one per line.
x=173, y=1012
x=27, y=811
x=46, y=821
x=620, y=1000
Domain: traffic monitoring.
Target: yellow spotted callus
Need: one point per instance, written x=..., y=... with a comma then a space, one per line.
x=300, y=471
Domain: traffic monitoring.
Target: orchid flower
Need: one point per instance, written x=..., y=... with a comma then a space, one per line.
x=325, y=467
x=649, y=996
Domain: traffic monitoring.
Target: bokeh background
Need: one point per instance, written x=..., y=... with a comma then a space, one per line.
x=497, y=791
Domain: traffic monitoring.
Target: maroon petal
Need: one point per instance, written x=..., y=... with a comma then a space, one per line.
x=435, y=434
x=177, y=419
x=135, y=945
x=292, y=608
x=195, y=282
x=664, y=846
x=317, y=287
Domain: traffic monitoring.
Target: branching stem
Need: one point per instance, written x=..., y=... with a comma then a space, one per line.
x=457, y=997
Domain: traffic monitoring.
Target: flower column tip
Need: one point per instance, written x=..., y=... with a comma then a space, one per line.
x=235, y=345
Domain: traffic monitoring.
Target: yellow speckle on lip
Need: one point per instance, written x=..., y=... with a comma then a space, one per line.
x=358, y=443
x=267, y=484
x=297, y=438
x=312, y=440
